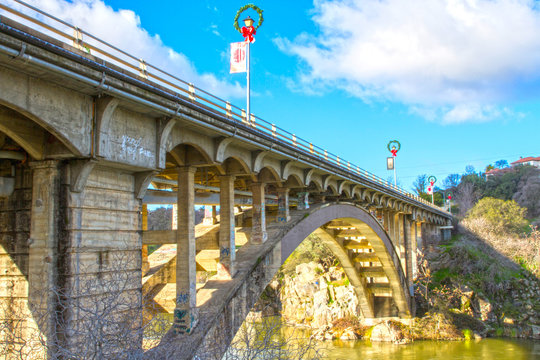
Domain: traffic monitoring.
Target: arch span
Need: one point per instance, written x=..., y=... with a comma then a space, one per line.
x=226, y=304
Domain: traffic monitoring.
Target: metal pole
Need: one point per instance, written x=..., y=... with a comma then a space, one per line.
x=395, y=178
x=248, y=108
x=432, y=198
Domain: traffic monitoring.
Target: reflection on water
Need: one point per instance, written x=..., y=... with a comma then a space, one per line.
x=487, y=349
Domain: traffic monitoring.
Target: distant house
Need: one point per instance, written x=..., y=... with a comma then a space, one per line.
x=496, y=172
x=530, y=160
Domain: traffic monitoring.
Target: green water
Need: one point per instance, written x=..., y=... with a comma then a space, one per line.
x=487, y=349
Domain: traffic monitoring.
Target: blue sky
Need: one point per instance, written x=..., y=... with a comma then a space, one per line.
x=455, y=81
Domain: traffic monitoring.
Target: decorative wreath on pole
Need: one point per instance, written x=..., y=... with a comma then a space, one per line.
x=244, y=8
x=432, y=179
x=393, y=146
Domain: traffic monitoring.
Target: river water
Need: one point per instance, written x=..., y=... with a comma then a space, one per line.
x=486, y=349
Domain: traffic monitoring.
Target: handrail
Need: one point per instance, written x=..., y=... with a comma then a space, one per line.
x=146, y=70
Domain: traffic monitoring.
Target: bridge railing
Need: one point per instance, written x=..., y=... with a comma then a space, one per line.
x=86, y=42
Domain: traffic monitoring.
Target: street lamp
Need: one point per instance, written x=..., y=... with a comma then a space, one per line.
x=248, y=21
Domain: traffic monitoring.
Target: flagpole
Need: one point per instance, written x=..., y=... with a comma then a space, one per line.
x=248, y=108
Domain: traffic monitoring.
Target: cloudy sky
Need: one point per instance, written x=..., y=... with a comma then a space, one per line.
x=455, y=81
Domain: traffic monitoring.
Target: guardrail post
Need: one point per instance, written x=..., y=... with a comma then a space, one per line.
x=311, y=148
x=228, y=109
x=325, y=155
x=244, y=118
x=252, y=120
x=143, y=72
x=191, y=92
x=294, y=139
x=273, y=130
x=337, y=160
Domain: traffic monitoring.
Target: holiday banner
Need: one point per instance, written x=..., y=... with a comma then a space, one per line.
x=238, y=57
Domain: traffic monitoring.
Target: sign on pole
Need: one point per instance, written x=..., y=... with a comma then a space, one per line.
x=238, y=57
x=390, y=163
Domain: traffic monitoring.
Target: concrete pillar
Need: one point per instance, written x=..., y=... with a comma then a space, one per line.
x=43, y=283
x=227, y=245
x=408, y=232
x=419, y=239
x=258, y=225
x=303, y=201
x=145, y=263
x=185, y=313
x=386, y=220
x=283, y=205
x=210, y=215
x=391, y=227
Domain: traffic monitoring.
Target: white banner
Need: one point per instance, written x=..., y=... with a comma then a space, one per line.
x=238, y=57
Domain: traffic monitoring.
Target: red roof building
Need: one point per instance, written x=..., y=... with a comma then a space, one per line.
x=529, y=160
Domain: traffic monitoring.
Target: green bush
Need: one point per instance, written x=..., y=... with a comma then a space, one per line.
x=505, y=216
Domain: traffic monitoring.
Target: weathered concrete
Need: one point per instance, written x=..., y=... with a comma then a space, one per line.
x=185, y=314
x=227, y=244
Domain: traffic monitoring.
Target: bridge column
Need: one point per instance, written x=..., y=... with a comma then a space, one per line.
x=385, y=216
x=145, y=263
x=227, y=245
x=43, y=249
x=283, y=205
x=409, y=249
x=258, y=225
x=303, y=201
x=185, y=313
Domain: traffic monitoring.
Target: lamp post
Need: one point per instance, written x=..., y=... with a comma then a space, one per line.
x=431, y=188
x=393, y=146
x=249, y=25
x=248, y=31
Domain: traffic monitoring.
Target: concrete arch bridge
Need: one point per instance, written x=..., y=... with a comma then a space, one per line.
x=89, y=136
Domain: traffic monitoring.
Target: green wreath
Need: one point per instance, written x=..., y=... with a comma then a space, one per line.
x=432, y=178
x=244, y=8
x=398, y=145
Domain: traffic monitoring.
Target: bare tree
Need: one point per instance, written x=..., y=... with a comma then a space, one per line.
x=420, y=184
x=97, y=315
x=465, y=197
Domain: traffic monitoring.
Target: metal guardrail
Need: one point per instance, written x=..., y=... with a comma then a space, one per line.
x=84, y=41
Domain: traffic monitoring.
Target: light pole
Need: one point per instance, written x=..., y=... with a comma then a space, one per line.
x=249, y=25
x=393, y=146
x=248, y=32
x=431, y=188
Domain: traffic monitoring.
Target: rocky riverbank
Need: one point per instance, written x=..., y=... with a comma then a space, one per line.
x=465, y=289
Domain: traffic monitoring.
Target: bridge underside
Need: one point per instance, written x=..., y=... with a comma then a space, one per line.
x=354, y=235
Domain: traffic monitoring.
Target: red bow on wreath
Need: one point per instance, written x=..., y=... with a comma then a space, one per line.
x=394, y=152
x=248, y=32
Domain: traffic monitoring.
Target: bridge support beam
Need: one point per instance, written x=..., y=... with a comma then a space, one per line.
x=227, y=244
x=43, y=249
x=283, y=205
x=408, y=242
x=185, y=313
x=303, y=201
x=258, y=225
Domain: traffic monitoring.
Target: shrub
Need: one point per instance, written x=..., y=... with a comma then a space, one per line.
x=503, y=216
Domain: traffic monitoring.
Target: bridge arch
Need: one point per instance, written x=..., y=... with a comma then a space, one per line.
x=375, y=235
x=32, y=134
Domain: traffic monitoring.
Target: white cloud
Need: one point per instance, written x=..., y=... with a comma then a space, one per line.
x=460, y=57
x=123, y=29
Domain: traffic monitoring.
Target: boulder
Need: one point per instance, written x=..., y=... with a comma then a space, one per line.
x=348, y=334
x=386, y=331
